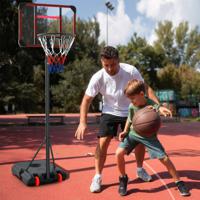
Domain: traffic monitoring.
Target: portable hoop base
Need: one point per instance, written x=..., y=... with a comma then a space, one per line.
x=56, y=47
x=36, y=173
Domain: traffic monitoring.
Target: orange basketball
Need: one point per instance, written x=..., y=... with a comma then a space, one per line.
x=146, y=122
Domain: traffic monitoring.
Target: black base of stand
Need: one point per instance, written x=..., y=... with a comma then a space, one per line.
x=36, y=173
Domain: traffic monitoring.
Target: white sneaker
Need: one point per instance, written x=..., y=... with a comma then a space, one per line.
x=96, y=184
x=142, y=174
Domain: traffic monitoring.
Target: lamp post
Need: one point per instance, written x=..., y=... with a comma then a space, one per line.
x=110, y=7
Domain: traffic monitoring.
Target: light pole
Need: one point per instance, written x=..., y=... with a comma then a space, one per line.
x=110, y=7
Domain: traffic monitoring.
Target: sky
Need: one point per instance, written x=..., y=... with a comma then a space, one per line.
x=129, y=16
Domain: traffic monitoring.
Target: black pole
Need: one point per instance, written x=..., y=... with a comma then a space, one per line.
x=47, y=119
x=107, y=26
x=110, y=7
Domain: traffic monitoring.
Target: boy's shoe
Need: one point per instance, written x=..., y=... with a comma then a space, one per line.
x=123, y=181
x=142, y=174
x=96, y=184
x=184, y=191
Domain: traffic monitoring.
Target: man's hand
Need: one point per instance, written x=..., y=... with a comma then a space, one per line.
x=81, y=130
x=165, y=111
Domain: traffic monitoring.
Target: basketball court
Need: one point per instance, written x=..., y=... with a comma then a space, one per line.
x=19, y=142
x=53, y=28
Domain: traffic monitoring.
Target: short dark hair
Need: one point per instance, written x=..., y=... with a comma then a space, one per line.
x=134, y=87
x=109, y=52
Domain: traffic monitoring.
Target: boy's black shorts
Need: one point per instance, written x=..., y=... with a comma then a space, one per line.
x=109, y=125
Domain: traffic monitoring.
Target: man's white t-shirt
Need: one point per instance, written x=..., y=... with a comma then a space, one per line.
x=112, y=89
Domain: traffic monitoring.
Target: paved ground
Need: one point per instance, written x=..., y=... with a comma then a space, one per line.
x=19, y=143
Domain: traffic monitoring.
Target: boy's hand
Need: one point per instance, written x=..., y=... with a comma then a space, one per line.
x=165, y=111
x=150, y=107
x=122, y=135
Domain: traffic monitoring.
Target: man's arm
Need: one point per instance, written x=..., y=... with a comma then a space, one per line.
x=151, y=94
x=79, y=134
x=84, y=108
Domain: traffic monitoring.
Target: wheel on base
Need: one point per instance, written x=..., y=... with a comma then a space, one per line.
x=60, y=178
x=37, y=181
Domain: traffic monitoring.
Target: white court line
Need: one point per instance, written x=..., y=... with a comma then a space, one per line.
x=161, y=180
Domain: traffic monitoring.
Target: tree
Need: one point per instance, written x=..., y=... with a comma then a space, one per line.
x=178, y=45
x=189, y=82
x=169, y=78
x=193, y=48
x=86, y=44
x=67, y=94
x=143, y=57
x=8, y=48
x=181, y=39
x=183, y=80
x=165, y=42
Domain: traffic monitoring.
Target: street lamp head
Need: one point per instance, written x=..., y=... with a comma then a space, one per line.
x=109, y=5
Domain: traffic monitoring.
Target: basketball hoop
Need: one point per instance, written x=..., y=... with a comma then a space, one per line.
x=56, y=47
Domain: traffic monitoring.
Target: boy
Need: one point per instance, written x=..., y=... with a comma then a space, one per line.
x=135, y=91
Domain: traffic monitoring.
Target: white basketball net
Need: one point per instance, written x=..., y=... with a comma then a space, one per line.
x=56, y=46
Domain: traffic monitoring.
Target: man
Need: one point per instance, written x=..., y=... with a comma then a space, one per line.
x=110, y=82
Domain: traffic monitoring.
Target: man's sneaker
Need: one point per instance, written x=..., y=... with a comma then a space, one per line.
x=123, y=180
x=96, y=184
x=142, y=174
x=184, y=191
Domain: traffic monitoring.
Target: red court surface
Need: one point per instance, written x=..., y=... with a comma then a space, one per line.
x=20, y=142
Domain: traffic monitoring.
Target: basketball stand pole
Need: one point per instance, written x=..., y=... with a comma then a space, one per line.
x=38, y=172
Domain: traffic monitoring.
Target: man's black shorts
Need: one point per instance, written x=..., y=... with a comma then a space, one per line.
x=109, y=125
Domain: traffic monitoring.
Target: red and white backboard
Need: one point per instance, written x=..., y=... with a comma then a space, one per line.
x=36, y=18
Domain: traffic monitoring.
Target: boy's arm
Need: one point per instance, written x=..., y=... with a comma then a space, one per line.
x=161, y=109
x=127, y=126
x=123, y=134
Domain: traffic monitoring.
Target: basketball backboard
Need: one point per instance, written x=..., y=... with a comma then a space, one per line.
x=37, y=19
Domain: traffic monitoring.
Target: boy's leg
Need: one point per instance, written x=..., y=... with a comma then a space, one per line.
x=123, y=178
x=171, y=168
x=100, y=158
x=139, y=155
x=184, y=191
x=120, y=152
x=156, y=150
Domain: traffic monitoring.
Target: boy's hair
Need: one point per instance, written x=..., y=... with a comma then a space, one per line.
x=109, y=52
x=134, y=87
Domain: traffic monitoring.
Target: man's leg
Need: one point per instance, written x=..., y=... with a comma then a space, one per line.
x=100, y=153
x=100, y=158
x=139, y=155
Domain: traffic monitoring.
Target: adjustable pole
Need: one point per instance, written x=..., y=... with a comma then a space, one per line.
x=47, y=119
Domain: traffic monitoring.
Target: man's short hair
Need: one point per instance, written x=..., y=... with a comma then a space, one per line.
x=109, y=52
x=134, y=87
